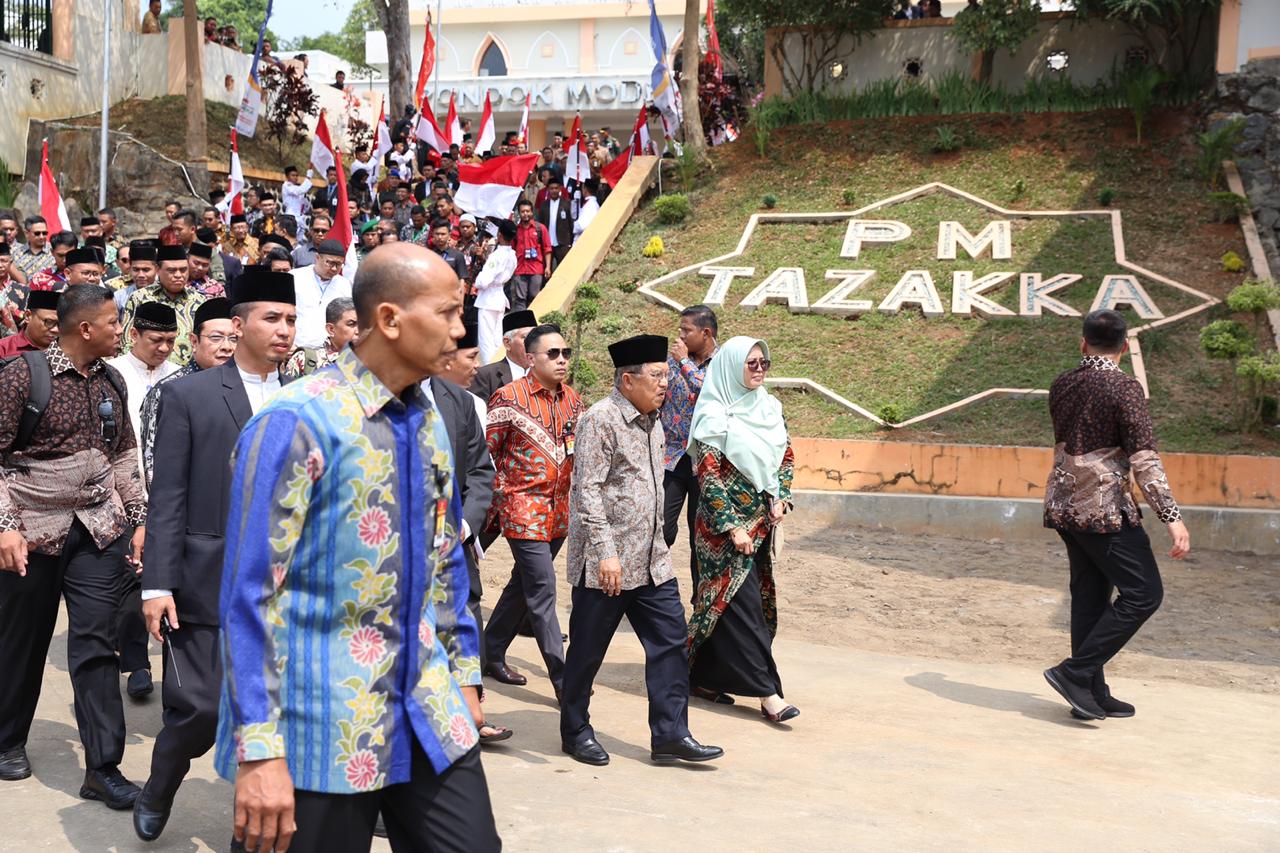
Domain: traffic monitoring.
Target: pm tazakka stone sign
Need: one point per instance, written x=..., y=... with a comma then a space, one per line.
x=844, y=288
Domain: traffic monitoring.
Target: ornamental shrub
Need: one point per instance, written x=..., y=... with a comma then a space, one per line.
x=672, y=208
x=1231, y=262
x=770, y=201
x=654, y=248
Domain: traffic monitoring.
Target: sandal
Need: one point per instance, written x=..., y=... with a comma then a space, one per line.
x=788, y=713
x=714, y=696
x=497, y=733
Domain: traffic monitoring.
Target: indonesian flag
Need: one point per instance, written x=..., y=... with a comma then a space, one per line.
x=492, y=188
x=341, y=229
x=321, y=151
x=51, y=206
x=524, y=120
x=428, y=130
x=577, y=166
x=613, y=171
x=713, y=41
x=428, y=62
x=382, y=147
x=640, y=142
x=234, y=201
x=487, y=134
x=453, y=126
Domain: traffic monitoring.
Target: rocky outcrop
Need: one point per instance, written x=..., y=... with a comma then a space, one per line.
x=139, y=179
x=1253, y=94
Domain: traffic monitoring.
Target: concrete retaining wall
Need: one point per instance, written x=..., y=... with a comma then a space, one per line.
x=1008, y=519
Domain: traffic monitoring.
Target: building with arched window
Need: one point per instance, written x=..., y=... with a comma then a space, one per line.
x=567, y=56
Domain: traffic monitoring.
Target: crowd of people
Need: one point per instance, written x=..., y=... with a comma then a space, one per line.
x=287, y=472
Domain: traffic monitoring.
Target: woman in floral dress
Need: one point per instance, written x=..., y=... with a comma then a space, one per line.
x=743, y=456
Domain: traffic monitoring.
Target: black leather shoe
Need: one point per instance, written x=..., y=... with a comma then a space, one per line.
x=685, y=749
x=14, y=764
x=109, y=785
x=140, y=684
x=505, y=674
x=149, y=817
x=587, y=751
x=1078, y=695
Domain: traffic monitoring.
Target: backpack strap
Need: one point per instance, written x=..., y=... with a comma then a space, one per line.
x=37, y=398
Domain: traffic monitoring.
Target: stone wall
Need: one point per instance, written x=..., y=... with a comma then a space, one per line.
x=1254, y=95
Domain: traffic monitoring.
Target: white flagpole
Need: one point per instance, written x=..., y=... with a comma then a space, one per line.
x=106, y=102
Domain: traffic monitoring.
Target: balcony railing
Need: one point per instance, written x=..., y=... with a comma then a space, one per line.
x=27, y=23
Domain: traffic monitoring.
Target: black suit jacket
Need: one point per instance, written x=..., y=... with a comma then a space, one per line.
x=490, y=378
x=200, y=419
x=325, y=198
x=471, y=461
x=563, y=226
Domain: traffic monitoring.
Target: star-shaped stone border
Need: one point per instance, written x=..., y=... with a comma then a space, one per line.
x=649, y=290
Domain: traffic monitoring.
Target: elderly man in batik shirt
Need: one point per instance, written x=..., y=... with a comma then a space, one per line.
x=1103, y=433
x=619, y=564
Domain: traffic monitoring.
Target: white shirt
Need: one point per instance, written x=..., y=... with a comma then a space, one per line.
x=259, y=388
x=553, y=210
x=517, y=371
x=496, y=272
x=312, y=297
x=293, y=197
x=139, y=379
x=588, y=212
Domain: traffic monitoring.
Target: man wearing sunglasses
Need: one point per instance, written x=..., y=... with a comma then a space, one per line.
x=71, y=524
x=35, y=256
x=530, y=434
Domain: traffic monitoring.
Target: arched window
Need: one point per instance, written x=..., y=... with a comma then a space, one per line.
x=493, y=63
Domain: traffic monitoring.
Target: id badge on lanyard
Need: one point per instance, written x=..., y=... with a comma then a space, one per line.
x=442, y=507
x=568, y=438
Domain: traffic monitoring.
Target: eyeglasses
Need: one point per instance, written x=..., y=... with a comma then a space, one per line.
x=107, y=412
x=760, y=364
x=556, y=352
x=218, y=337
x=39, y=233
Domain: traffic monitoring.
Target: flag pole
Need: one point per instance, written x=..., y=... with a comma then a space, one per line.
x=106, y=103
x=435, y=70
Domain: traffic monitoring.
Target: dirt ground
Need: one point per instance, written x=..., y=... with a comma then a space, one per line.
x=1004, y=602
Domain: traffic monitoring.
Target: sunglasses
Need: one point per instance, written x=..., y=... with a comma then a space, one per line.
x=760, y=364
x=556, y=352
x=107, y=412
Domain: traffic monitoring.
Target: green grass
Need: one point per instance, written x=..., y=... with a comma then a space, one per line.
x=918, y=364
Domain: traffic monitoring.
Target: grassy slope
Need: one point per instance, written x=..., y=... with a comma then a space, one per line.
x=162, y=124
x=917, y=364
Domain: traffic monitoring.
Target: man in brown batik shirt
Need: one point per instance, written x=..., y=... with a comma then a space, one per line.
x=72, y=512
x=1102, y=433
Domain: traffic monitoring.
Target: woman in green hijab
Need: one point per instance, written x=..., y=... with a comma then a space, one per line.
x=739, y=443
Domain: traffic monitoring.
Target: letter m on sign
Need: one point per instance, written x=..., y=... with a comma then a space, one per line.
x=998, y=235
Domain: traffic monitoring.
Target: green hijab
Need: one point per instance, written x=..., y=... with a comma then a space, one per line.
x=745, y=425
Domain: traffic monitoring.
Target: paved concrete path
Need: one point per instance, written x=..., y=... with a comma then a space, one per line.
x=890, y=753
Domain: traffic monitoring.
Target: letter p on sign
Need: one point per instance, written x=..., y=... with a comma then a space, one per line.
x=872, y=231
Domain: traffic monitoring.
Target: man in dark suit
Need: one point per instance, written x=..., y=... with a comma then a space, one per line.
x=557, y=214
x=201, y=416
x=326, y=197
x=515, y=326
x=465, y=424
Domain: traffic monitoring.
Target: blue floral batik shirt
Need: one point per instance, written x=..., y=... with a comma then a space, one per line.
x=345, y=629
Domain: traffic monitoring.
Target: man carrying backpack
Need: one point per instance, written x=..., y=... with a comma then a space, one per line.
x=72, y=512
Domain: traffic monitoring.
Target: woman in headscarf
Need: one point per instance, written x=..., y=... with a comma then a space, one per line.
x=739, y=444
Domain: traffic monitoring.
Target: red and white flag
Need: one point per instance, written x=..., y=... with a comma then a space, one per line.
x=382, y=147
x=452, y=124
x=577, y=165
x=51, y=206
x=492, y=188
x=341, y=230
x=640, y=142
x=484, y=142
x=428, y=130
x=524, y=121
x=233, y=203
x=613, y=171
x=321, y=150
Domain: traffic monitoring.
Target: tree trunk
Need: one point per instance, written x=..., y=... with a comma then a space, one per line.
x=394, y=18
x=192, y=38
x=982, y=66
x=694, y=142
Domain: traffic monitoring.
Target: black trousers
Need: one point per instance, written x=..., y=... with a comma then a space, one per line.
x=657, y=616
x=131, y=629
x=190, y=711
x=474, y=594
x=92, y=580
x=531, y=592
x=1100, y=562
x=557, y=255
x=678, y=484
x=429, y=814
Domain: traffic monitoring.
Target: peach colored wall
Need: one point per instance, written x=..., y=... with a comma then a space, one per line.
x=64, y=30
x=1014, y=472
